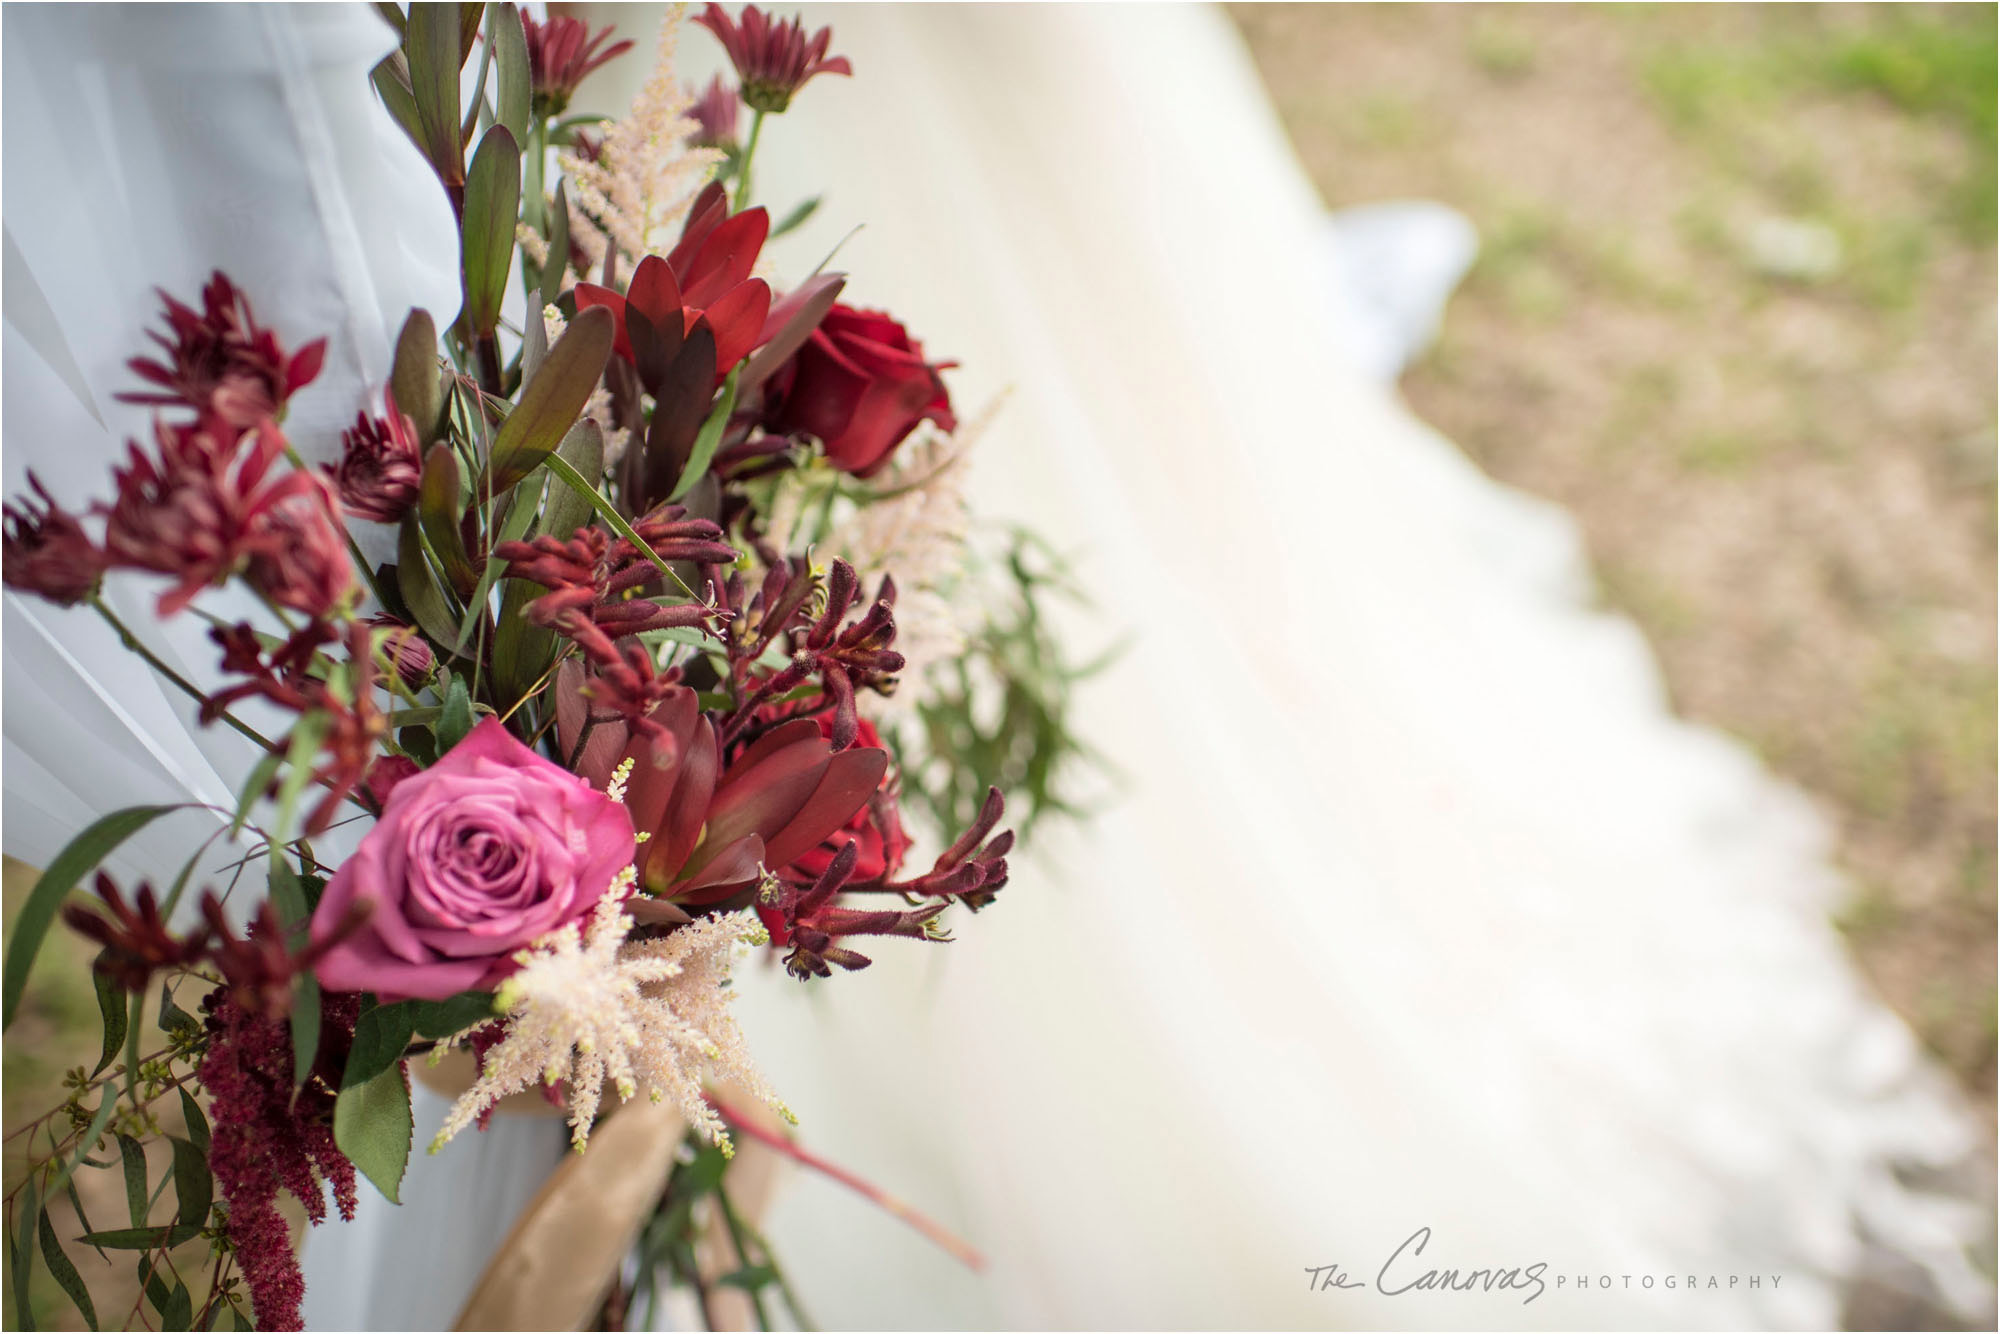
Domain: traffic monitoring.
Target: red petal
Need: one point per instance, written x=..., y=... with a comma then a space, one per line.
x=737, y=319
x=305, y=366
x=850, y=780
x=725, y=258
x=653, y=289
x=590, y=294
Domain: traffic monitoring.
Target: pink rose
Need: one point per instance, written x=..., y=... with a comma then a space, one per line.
x=489, y=849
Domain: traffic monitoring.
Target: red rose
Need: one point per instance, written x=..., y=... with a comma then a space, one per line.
x=860, y=384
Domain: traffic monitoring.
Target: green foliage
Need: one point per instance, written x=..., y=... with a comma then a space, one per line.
x=372, y=1126
x=1000, y=714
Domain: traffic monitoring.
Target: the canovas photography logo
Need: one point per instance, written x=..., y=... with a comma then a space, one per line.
x=1408, y=1271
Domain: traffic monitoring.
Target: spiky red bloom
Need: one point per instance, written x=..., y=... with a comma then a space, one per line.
x=135, y=937
x=381, y=464
x=563, y=51
x=263, y=1139
x=45, y=551
x=204, y=506
x=774, y=60
x=221, y=363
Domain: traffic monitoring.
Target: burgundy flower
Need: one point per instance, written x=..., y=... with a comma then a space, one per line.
x=302, y=561
x=221, y=363
x=774, y=60
x=562, y=51
x=266, y=1136
x=844, y=658
x=204, y=506
x=714, y=115
x=406, y=651
x=46, y=552
x=354, y=724
x=706, y=278
x=875, y=831
x=381, y=464
x=259, y=969
x=860, y=384
x=135, y=937
x=591, y=577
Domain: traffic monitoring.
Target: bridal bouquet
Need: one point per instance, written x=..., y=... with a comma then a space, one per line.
x=615, y=719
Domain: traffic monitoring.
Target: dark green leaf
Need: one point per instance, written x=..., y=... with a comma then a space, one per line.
x=439, y=508
x=552, y=400
x=31, y=926
x=197, y=1122
x=453, y=1015
x=414, y=377
x=111, y=1010
x=391, y=77
x=141, y=1239
x=76, y=1203
x=510, y=55
x=431, y=45
x=194, y=1186
x=289, y=897
x=558, y=265
x=27, y=1220
x=180, y=1309
x=456, y=720
x=255, y=786
x=492, y=204
x=380, y=1036
x=566, y=511
x=372, y=1126
x=751, y=1278
x=393, y=14
x=301, y=758
x=419, y=586
x=134, y=1156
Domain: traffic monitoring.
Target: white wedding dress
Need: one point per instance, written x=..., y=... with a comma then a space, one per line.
x=1417, y=909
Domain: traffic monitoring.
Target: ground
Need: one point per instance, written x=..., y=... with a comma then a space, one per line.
x=1734, y=308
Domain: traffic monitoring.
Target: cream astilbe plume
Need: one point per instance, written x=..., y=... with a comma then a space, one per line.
x=590, y=1007
x=646, y=173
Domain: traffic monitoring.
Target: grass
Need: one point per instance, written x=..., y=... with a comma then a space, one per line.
x=1786, y=479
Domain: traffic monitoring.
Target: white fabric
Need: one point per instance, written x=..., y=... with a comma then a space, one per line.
x=147, y=145
x=1419, y=909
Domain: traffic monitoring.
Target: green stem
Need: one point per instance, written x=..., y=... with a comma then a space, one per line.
x=131, y=641
x=743, y=165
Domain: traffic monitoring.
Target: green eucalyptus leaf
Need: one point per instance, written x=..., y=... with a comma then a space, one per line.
x=141, y=1238
x=289, y=897
x=27, y=1218
x=796, y=217
x=197, y=1122
x=194, y=1185
x=31, y=925
x=492, y=203
x=372, y=1126
x=133, y=1155
x=111, y=1011
x=67, y=1278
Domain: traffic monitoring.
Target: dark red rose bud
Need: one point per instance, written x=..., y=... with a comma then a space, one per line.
x=860, y=384
x=381, y=464
x=407, y=651
x=45, y=551
x=774, y=60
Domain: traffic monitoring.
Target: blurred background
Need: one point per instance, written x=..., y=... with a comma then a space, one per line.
x=1733, y=306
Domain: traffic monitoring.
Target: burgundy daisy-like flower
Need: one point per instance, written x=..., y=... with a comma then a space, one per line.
x=45, y=550
x=561, y=53
x=219, y=361
x=774, y=60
